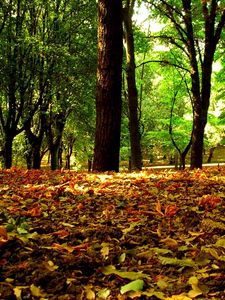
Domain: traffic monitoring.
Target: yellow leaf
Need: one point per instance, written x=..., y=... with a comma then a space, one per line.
x=194, y=293
x=50, y=266
x=122, y=257
x=105, y=250
x=36, y=291
x=193, y=281
x=171, y=243
x=90, y=294
x=17, y=293
x=108, y=270
x=178, y=297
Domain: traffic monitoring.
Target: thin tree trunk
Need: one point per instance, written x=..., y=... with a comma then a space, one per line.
x=7, y=151
x=54, y=151
x=54, y=137
x=197, y=142
x=211, y=152
x=69, y=150
x=67, y=166
x=37, y=156
x=135, y=137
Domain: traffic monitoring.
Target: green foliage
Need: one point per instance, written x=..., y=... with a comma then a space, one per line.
x=45, y=62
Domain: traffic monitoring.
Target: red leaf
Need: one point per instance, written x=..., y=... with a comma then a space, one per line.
x=209, y=201
x=34, y=212
x=171, y=210
x=61, y=233
x=3, y=236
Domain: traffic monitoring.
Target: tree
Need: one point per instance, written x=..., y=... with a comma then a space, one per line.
x=41, y=50
x=198, y=27
x=18, y=66
x=34, y=140
x=109, y=81
x=132, y=94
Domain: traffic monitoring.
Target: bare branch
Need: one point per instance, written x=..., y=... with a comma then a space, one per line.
x=173, y=41
x=2, y=119
x=199, y=51
x=169, y=13
x=164, y=63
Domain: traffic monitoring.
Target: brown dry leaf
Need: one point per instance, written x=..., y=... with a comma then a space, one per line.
x=171, y=243
x=3, y=236
x=158, y=208
x=3, y=233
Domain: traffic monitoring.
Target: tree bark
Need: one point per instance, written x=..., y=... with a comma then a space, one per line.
x=134, y=128
x=7, y=150
x=54, y=152
x=33, y=156
x=211, y=152
x=69, y=149
x=54, y=134
x=109, y=82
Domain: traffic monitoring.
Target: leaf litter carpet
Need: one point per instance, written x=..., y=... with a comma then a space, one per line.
x=149, y=235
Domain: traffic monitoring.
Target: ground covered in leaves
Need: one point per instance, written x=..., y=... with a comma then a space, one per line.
x=150, y=235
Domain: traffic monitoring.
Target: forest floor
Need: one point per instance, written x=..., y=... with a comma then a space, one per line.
x=158, y=234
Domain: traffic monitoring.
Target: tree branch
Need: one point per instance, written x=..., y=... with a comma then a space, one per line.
x=219, y=28
x=2, y=119
x=172, y=40
x=164, y=63
x=169, y=13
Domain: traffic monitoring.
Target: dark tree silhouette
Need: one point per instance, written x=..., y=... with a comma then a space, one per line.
x=109, y=81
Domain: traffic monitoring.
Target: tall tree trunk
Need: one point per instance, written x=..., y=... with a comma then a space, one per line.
x=54, y=152
x=136, y=156
x=211, y=152
x=109, y=82
x=7, y=150
x=197, y=141
x=69, y=149
x=54, y=133
x=35, y=142
x=37, y=156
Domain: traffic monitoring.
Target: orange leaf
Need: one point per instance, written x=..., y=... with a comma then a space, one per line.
x=3, y=236
x=23, y=265
x=61, y=233
x=3, y=232
x=70, y=249
x=171, y=210
x=209, y=201
x=158, y=208
x=80, y=247
x=106, y=184
x=80, y=206
x=35, y=212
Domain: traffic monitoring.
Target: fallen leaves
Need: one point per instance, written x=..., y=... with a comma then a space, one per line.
x=209, y=202
x=3, y=236
x=147, y=235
